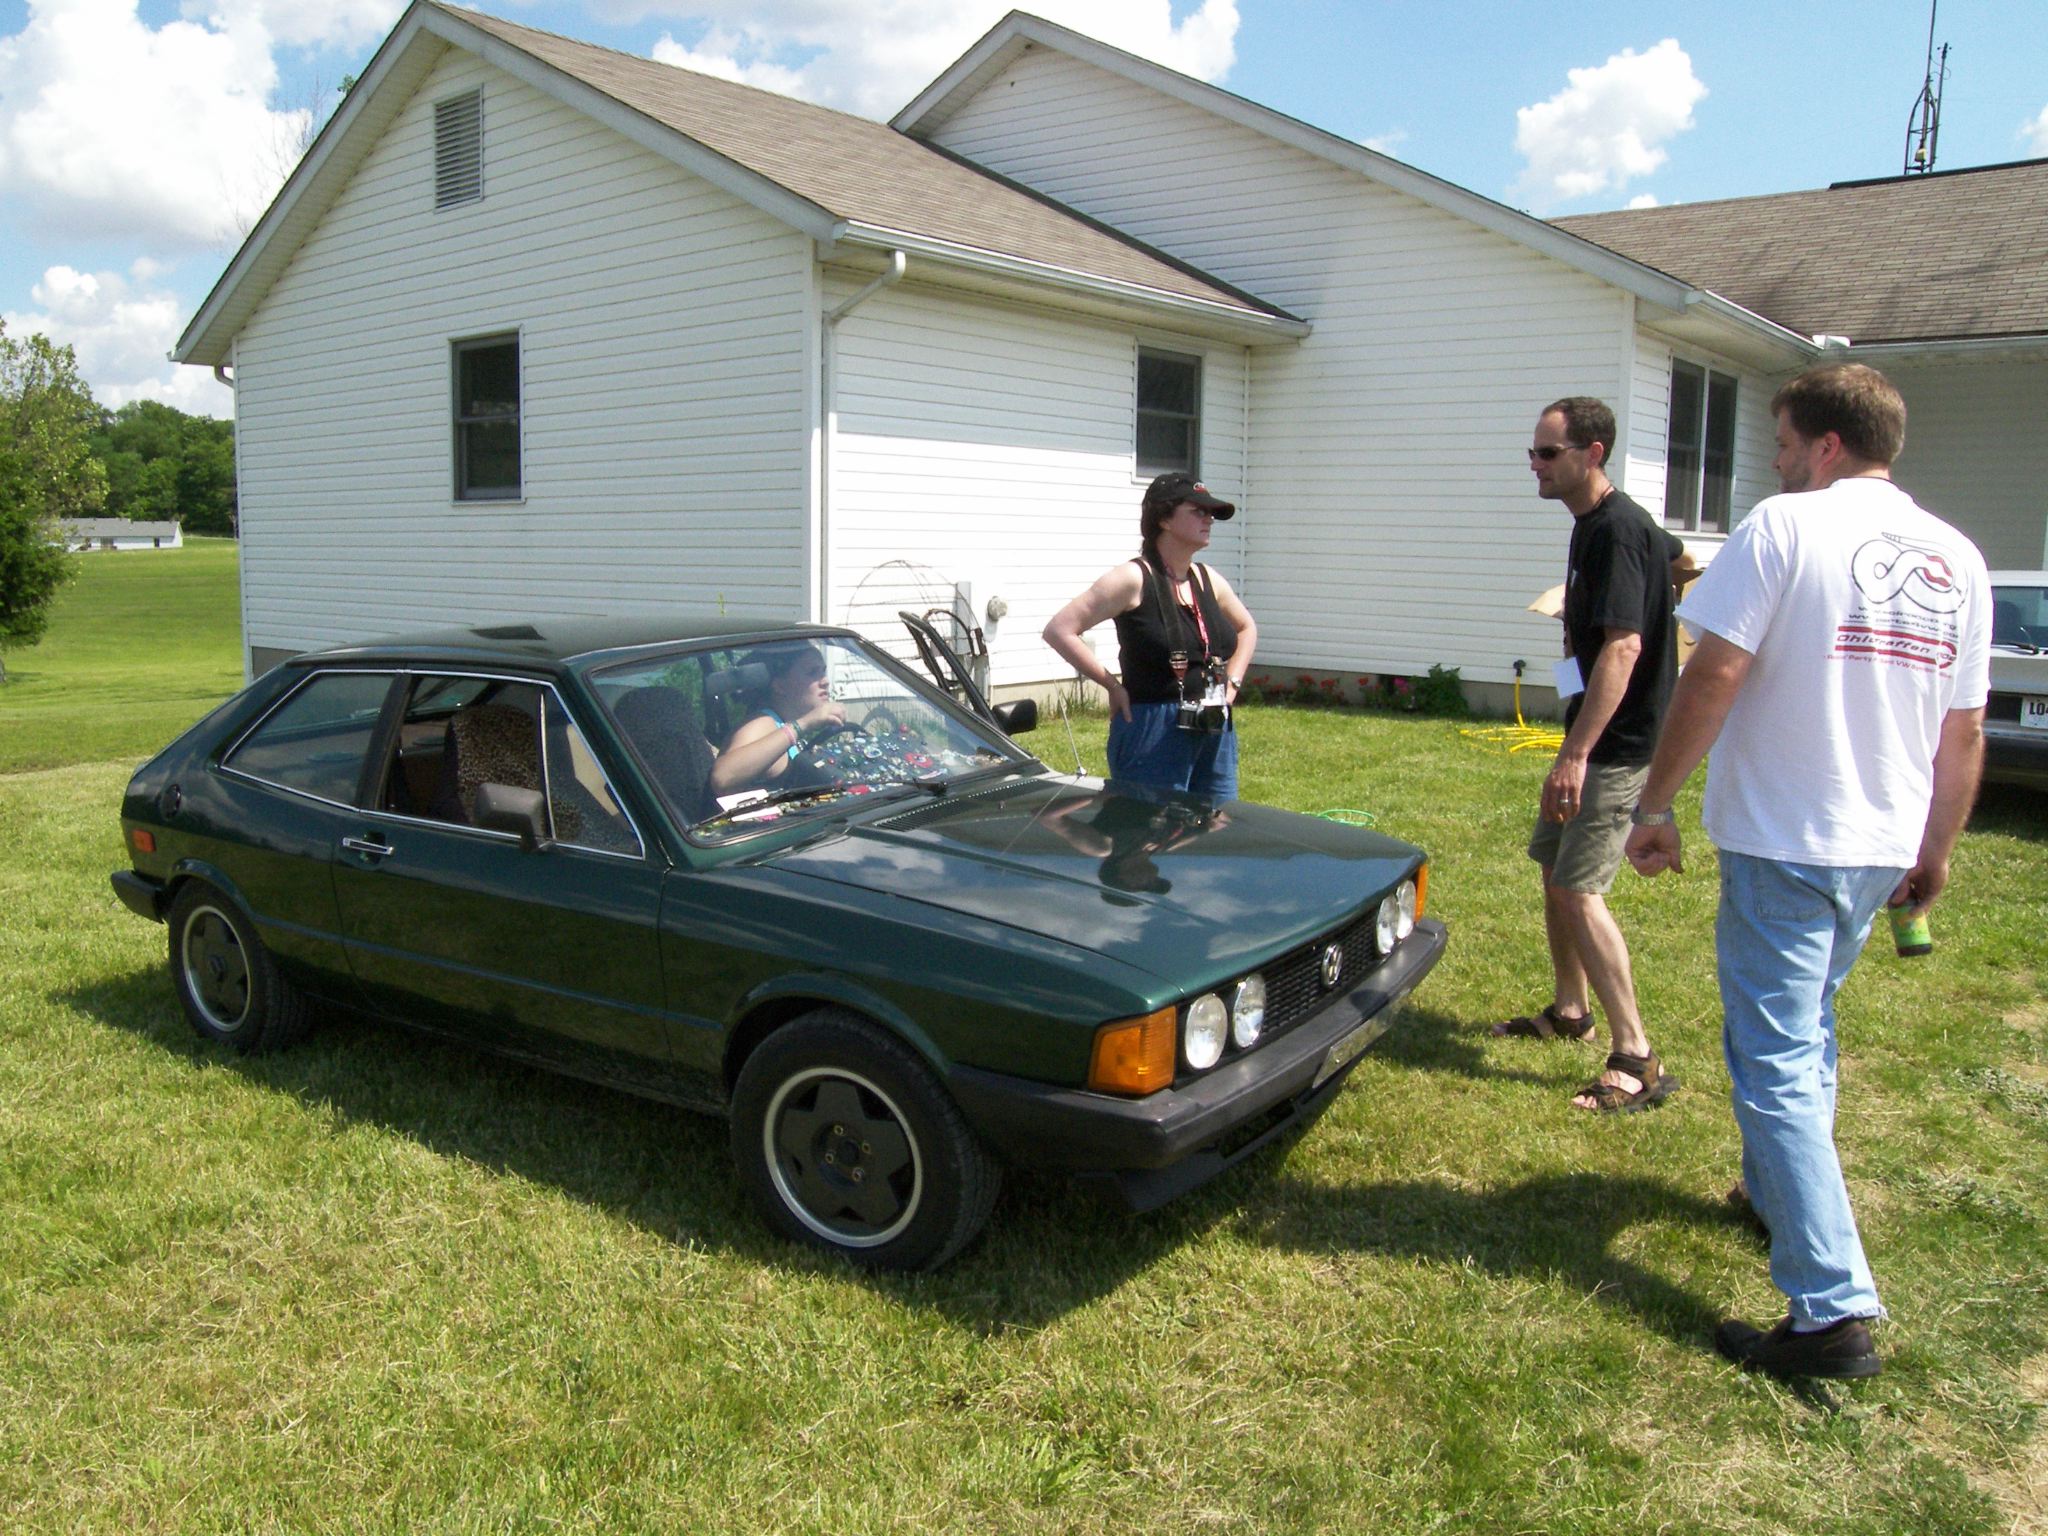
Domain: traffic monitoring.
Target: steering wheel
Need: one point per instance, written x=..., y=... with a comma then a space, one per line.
x=880, y=721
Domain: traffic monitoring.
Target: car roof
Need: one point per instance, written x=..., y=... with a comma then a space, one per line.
x=560, y=642
x=2019, y=578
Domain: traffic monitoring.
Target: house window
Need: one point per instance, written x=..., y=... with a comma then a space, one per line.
x=1169, y=413
x=1700, y=465
x=459, y=149
x=487, y=419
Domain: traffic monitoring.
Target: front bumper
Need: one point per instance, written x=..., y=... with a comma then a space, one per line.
x=139, y=894
x=1147, y=1151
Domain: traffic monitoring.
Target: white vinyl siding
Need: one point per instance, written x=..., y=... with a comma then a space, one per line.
x=1973, y=452
x=1392, y=521
x=987, y=445
x=1650, y=415
x=665, y=358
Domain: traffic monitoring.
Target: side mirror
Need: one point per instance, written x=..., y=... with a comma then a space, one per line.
x=522, y=812
x=1017, y=716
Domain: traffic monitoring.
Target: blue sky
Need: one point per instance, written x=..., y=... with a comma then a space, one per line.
x=139, y=137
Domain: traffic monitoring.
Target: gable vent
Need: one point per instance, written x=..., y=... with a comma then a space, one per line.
x=459, y=149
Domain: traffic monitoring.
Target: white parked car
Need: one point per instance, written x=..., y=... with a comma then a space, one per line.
x=2016, y=720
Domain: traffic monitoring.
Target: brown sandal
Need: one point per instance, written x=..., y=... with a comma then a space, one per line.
x=1548, y=1024
x=1657, y=1085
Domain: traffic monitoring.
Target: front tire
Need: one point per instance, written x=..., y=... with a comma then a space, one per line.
x=847, y=1142
x=226, y=980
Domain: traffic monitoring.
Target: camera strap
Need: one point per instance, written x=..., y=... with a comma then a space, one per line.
x=1168, y=606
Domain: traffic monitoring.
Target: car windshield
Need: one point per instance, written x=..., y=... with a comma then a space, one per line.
x=740, y=738
x=2019, y=615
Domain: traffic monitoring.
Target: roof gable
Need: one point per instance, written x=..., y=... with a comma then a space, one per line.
x=1948, y=256
x=838, y=178
x=1018, y=31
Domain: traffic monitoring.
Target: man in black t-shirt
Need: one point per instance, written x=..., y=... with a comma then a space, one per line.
x=1620, y=660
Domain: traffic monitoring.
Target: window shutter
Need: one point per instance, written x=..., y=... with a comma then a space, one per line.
x=459, y=149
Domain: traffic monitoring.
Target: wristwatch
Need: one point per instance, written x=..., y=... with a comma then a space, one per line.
x=1642, y=818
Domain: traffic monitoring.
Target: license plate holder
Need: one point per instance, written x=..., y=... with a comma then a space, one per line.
x=1350, y=1048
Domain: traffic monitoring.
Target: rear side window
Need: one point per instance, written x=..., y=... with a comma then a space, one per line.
x=460, y=733
x=315, y=741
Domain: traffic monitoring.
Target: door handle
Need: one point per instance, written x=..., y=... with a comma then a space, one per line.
x=363, y=845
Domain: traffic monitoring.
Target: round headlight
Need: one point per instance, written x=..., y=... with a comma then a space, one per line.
x=1248, y=1011
x=1387, y=927
x=1202, y=1036
x=1406, y=896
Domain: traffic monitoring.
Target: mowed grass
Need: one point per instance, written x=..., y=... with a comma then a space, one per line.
x=141, y=644
x=379, y=1284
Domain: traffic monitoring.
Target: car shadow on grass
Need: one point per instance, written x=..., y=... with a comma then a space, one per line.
x=2012, y=810
x=1561, y=1228
x=1049, y=1249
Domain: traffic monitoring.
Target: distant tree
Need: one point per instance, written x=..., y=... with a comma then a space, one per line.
x=47, y=474
x=163, y=464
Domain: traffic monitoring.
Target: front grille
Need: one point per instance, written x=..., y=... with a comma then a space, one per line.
x=1294, y=987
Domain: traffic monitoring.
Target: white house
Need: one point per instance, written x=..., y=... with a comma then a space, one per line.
x=538, y=328
x=82, y=533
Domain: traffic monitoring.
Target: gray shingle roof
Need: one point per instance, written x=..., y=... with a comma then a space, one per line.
x=865, y=171
x=1938, y=257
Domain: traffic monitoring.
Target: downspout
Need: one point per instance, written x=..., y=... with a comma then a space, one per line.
x=220, y=372
x=828, y=356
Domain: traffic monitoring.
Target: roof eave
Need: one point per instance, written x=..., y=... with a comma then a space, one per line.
x=406, y=58
x=1251, y=326
x=1016, y=31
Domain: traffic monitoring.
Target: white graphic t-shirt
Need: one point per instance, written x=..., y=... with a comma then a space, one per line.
x=1870, y=619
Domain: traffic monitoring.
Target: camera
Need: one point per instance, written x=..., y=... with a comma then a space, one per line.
x=1209, y=714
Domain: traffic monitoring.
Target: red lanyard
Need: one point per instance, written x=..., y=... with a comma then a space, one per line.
x=1193, y=605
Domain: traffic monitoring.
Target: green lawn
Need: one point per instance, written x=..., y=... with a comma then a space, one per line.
x=376, y=1284
x=139, y=646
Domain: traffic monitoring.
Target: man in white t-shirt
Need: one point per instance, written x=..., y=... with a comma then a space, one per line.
x=1843, y=664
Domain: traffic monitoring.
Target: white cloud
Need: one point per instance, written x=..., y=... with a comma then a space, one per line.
x=1607, y=126
x=1643, y=200
x=2035, y=132
x=873, y=58
x=1388, y=143
x=112, y=129
x=122, y=331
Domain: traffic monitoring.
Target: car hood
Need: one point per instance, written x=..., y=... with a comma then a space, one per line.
x=1173, y=885
x=2017, y=671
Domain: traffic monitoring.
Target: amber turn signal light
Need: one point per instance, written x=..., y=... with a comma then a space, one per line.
x=1134, y=1056
x=141, y=840
x=1421, y=887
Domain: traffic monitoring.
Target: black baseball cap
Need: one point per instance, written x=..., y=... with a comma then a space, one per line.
x=1170, y=490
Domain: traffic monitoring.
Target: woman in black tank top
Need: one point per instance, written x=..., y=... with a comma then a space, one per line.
x=1178, y=626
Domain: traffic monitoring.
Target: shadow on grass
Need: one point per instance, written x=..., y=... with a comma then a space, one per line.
x=1561, y=1227
x=2013, y=811
x=1051, y=1248
x=1048, y=1250
x=1426, y=1041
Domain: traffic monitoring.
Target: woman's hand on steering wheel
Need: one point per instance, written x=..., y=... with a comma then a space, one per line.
x=828, y=719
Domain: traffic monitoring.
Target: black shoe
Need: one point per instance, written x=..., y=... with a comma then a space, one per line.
x=1841, y=1351
x=1742, y=1210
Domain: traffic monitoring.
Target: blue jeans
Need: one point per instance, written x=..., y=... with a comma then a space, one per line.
x=1786, y=936
x=1150, y=749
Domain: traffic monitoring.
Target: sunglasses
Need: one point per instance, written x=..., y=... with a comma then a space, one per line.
x=1551, y=450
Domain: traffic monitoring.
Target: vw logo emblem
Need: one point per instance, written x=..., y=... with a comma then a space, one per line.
x=1332, y=967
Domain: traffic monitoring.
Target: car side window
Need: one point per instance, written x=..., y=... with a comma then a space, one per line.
x=316, y=740
x=459, y=733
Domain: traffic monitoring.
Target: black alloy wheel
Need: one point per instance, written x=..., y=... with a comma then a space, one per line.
x=847, y=1142
x=226, y=980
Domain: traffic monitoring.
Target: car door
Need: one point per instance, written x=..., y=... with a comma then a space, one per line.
x=956, y=678
x=270, y=821
x=548, y=951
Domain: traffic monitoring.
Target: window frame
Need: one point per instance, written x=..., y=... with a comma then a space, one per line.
x=372, y=753
x=1142, y=468
x=1700, y=497
x=387, y=762
x=459, y=349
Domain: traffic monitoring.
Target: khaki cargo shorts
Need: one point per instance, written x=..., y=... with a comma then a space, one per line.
x=1583, y=854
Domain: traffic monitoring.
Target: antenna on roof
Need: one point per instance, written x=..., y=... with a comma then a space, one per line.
x=1923, y=126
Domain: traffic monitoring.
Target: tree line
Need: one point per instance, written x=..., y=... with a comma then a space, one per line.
x=63, y=455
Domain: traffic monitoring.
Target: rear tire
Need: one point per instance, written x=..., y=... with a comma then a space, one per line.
x=227, y=982
x=847, y=1142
